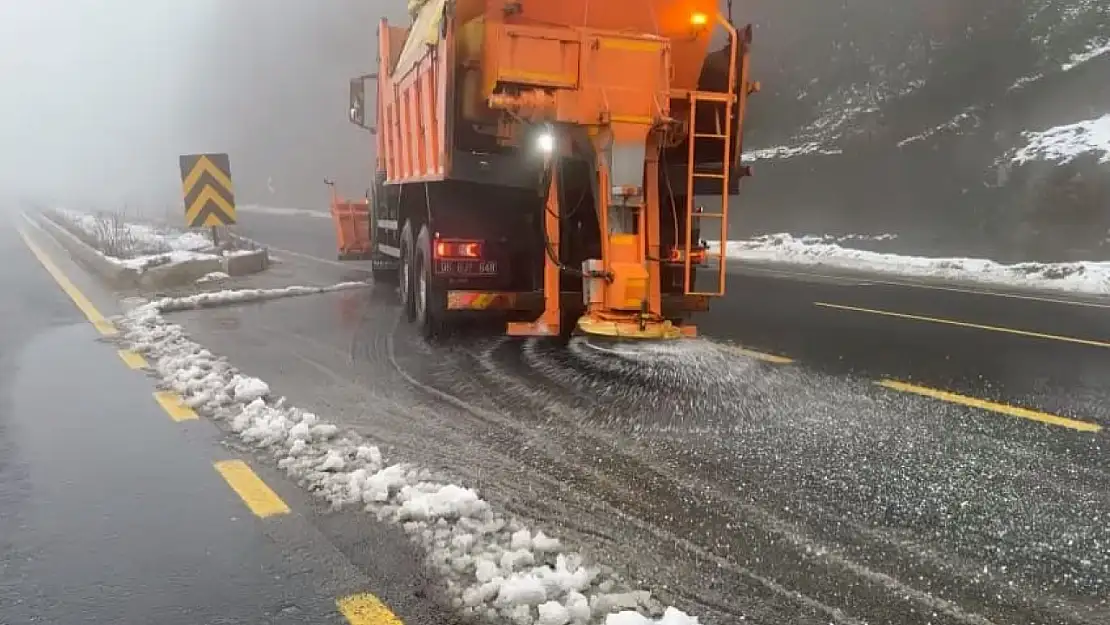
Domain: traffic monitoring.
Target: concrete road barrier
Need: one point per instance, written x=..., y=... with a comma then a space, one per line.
x=105, y=268
x=172, y=274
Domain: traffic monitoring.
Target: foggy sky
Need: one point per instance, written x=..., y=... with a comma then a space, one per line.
x=99, y=97
x=90, y=98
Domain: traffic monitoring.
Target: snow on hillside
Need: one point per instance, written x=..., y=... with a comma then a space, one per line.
x=1063, y=144
x=829, y=79
x=1094, y=49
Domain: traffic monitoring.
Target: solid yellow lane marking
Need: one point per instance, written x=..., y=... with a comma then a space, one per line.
x=174, y=406
x=132, y=359
x=251, y=489
x=965, y=324
x=765, y=357
x=366, y=609
x=102, y=325
x=982, y=404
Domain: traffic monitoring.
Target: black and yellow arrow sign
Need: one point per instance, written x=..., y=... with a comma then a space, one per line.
x=209, y=198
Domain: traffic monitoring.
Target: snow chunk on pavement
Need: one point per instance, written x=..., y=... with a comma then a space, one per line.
x=429, y=501
x=522, y=590
x=486, y=570
x=250, y=389
x=553, y=613
x=333, y=461
x=521, y=540
x=542, y=542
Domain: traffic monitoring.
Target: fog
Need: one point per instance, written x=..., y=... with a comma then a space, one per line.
x=914, y=103
x=100, y=97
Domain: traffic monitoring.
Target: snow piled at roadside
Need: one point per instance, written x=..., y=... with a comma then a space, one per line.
x=1065, y=143
x=151, y=246
x=1079, y=277
x=146, y=239
x=494, y=569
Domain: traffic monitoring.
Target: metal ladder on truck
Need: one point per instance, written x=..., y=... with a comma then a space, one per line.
x=736, y=95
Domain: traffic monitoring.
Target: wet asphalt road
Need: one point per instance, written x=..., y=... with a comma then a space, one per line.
x=780, y=311
x=797, y=492
x=112, y=513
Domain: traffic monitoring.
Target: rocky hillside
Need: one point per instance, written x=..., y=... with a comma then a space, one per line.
x=904, y=117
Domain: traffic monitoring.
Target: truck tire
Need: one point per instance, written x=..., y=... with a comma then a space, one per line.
x=430, y=300
x=406, y=280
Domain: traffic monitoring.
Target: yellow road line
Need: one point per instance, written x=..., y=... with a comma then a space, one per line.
x=965, y=324
x=251, y=489
x=765, y=357
x=174, y=406
x=366, y=609
x=132, y=359
x=98, y=320
x=982, y=404
x=910, y=283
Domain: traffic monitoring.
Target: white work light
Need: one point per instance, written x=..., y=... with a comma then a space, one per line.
x=545, y=142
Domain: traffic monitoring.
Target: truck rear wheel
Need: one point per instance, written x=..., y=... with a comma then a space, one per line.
x=430, y=301
x=406, y=281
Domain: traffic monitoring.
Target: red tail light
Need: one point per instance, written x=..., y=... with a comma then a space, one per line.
x=697, y=255
x=453, y=248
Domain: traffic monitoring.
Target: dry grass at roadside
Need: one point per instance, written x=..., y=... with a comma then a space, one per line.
x=110, y=233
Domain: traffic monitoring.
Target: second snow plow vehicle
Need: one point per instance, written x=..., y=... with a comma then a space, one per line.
x=539, y=158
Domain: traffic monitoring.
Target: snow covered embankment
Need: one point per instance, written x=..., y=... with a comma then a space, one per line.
x=1078, y=277
x=140, y=246
x=494, y=569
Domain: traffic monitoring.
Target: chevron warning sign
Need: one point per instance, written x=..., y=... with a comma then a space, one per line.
x=209, y=198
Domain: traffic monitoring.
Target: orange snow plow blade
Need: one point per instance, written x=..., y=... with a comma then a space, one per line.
x=352, y=227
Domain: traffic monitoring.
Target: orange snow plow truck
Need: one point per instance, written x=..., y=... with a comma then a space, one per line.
x=538, y=159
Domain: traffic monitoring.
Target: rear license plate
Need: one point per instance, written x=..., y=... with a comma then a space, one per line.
x=467, y=267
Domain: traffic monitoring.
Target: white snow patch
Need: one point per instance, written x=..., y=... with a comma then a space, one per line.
x=784, y=152
x=553, y=613
x=1080, y=277
x=955, y=124
x=1065, y=143
x=542, y=542
x=1020, y=83
x=147, y=261
x=492, y=567
x=527, y=590
x=1094, y=49
x=146, y=245
x=233, y=296
x=215, y=276
x=250, y=389
x=670, y=617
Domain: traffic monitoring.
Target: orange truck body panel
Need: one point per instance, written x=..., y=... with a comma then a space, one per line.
x=590, y=53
